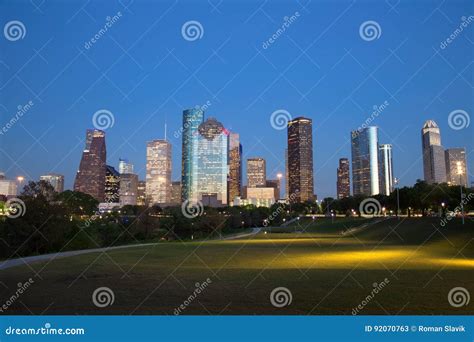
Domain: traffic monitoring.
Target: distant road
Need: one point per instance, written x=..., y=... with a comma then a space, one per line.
x=46, y=257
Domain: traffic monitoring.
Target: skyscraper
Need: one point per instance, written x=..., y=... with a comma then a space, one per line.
x=256, y=173
x=158, y=172
x=90, y=177
x=434, y=163
x=275, y=184
x=287, y=190
x=300, y=160
x=385, y=169
x=176, y=193
x=192, y=118
x=141, y=193
x=209, y=179
x=56, y=181
x=112, y=185
x=128, y=189
x=343, y=179
x=365, y=161
x=125, y=166
x=456, y=166
x=235, y=166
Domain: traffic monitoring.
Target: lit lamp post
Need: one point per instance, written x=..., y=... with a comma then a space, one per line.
x=396, y=181
x=460, y=188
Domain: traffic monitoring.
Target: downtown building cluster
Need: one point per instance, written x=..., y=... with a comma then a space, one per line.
x=372, y=166
x=211, y=169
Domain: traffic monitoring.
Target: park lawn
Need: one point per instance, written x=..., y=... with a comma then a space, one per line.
x=327, y=273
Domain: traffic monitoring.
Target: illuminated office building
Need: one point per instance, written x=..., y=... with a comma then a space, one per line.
x=158, y=172
x=112, y=185
x=125, y=166
x=456, y=166
x=385, y=169
x=128, y=189
x=365, y=161
x=90, y=177
x=434, y=163
x=192, y=118
x=235, y=166
x=56, y=181
x=256, y=173
x=300, y=160
x=209, y=178
x=343, y=179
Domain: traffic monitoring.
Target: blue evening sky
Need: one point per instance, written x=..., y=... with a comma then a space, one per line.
x=145, y=73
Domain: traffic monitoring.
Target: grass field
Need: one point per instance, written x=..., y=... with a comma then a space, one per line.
x=327, y=272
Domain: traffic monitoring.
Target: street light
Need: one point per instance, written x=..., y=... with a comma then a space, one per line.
x=396, y=181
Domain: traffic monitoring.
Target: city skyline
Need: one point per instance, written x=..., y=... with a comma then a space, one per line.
x=147, y=90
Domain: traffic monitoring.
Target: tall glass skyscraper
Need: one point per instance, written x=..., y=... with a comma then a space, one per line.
x=386, y=169
x=192, y=118
x=365, y=161
x=434, y=164
x=209, y=170
x=158, y=172
x=90, y=177
x=300, y=160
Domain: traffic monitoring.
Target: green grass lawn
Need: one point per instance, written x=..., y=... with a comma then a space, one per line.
x=327, y=272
